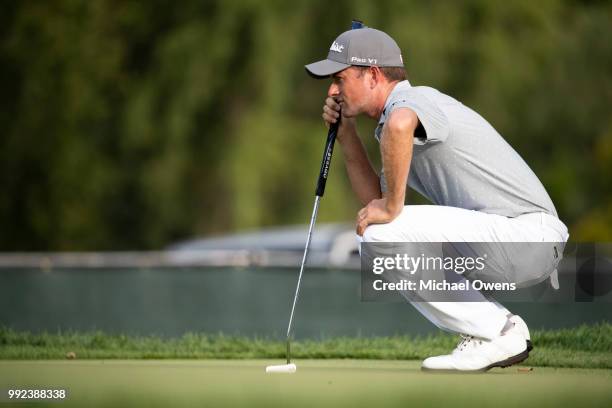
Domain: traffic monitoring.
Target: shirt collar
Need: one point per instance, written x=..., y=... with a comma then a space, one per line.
x=399, y=87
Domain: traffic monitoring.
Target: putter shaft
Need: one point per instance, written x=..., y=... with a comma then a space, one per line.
x=323, y=173
x=313, y=219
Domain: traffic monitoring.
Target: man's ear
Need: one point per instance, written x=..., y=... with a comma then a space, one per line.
x=375, y=76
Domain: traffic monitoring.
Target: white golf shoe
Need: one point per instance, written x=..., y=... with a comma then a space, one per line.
x=473, y=354
x=521, y=326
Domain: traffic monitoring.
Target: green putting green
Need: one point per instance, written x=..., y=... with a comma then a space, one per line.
x=337, y=383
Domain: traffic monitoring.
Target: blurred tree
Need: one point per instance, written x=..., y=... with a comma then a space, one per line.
x=131, y=125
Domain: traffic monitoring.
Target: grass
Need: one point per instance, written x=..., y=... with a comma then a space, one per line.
x=573, y=367
x=317, y=383
x=581, y=347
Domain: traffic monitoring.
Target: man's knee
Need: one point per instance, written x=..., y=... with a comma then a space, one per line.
x=390, y=233
x=371, y=234
x=381, y=233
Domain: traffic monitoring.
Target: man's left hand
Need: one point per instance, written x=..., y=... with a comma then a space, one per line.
x=376, y=212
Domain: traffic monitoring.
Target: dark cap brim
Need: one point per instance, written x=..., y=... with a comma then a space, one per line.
x=324, y=68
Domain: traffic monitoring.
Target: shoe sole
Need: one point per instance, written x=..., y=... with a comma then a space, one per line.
x=519, y=358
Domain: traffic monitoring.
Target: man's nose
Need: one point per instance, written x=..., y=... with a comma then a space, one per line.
x=333, y=90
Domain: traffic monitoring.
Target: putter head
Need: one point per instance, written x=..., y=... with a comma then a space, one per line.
x=283, y=368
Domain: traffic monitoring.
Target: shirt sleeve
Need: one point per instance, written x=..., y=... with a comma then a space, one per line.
x=433, y=119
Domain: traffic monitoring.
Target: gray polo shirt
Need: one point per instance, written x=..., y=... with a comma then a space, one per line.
x=460, y=160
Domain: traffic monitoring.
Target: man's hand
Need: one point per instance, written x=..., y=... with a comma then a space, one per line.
x=376, y=212
x=331, y=114
x=331, y=111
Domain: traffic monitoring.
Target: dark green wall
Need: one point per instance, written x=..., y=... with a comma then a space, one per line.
x=170, y=302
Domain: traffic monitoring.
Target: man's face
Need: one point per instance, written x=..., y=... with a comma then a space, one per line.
x=349, y=88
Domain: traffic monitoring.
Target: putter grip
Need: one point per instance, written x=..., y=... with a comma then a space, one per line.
x=327, y=155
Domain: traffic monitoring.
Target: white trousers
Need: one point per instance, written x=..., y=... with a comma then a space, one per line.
x=431, y=223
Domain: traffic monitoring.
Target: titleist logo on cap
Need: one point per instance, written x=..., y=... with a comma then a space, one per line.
x=336, y=47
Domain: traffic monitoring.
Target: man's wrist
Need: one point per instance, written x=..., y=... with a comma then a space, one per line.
x=393, y=207
x=347, y=129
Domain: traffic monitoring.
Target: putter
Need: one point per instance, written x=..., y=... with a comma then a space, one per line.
x=327, y=155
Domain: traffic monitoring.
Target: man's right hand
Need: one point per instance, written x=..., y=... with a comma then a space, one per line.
x=331, y=111
x=331, y=114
